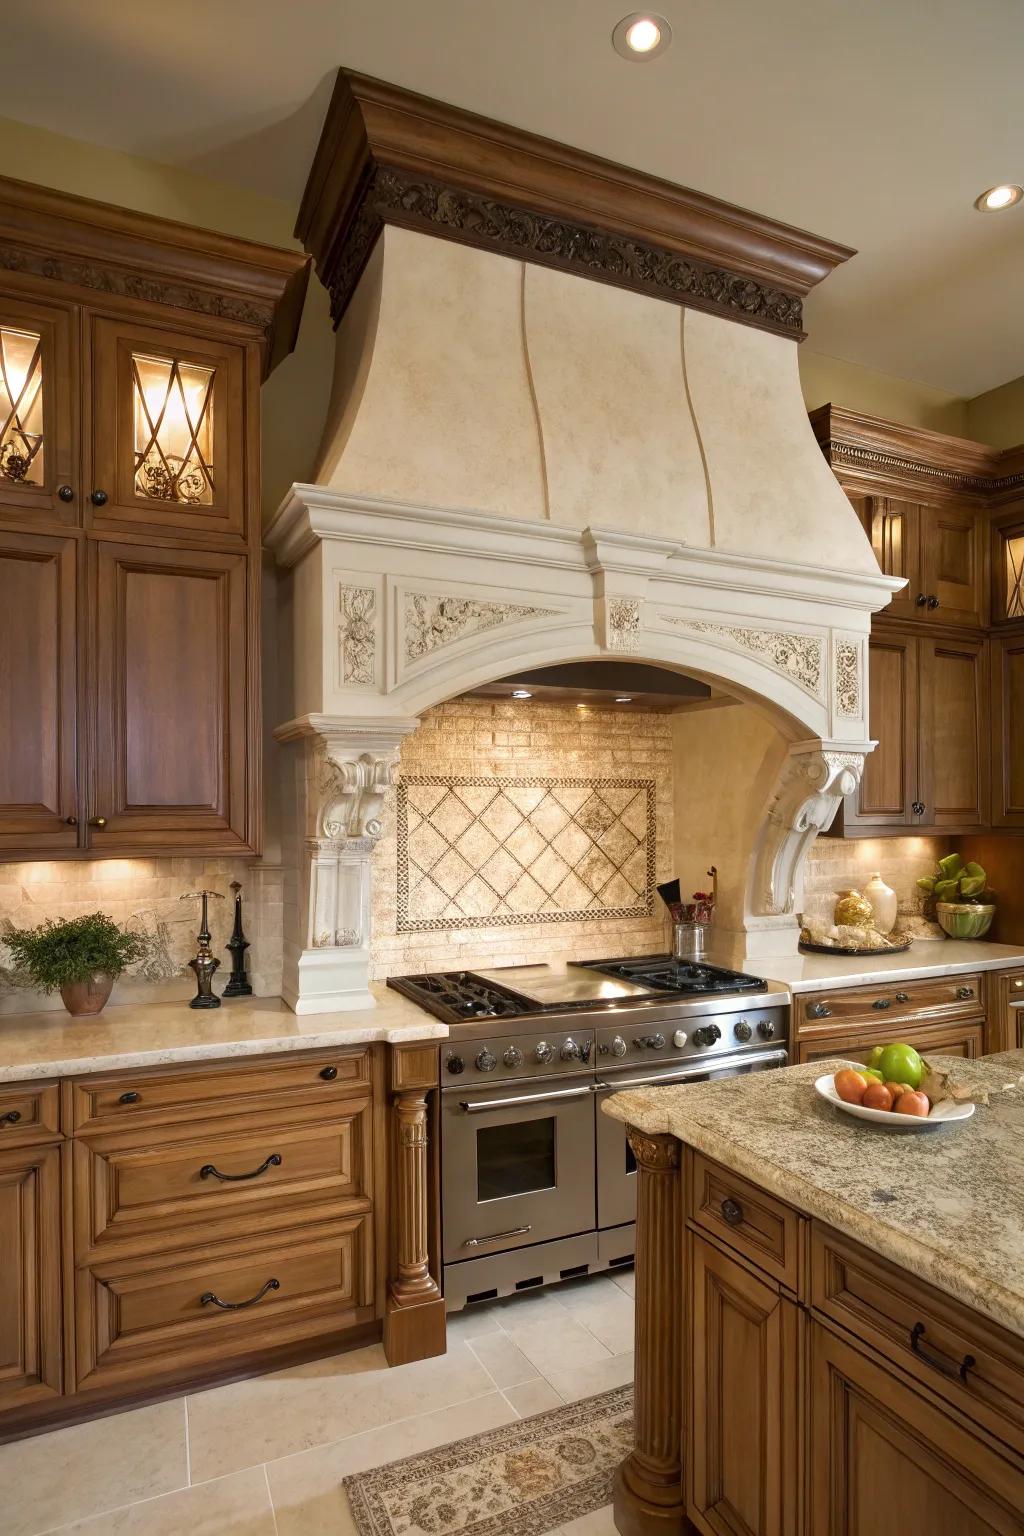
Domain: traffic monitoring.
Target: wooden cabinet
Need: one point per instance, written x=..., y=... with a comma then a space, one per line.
x=744, y=1368
x=937, y=549
x=887, y=795
x=1008, y=730
x=30, y=1277
x=1007, y=560
x=1006, y=1010
x=945, y=1014
x=129, y=527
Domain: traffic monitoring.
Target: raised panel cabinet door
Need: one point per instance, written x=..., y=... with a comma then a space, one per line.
x=1008, y=730
x=745, y=1374
x=951, y=565
x=173, y=758
x=38, y=695
x=953, y=1039
x=165, y=422
x=893, y=527
x=30, y=1286
x=954, y=755
x=884, y=1461
x=39, y=464
x=888, y=789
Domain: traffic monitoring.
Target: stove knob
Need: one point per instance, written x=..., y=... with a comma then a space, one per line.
x=766, y=1029
x=655, y=1042
x=544, y=1053
x=570, y=1050
x=707, y=1034
x=455, y=1064
x=742, y=1030
x=618, y=1046
x=679, y=1039
x=513, y=1056
x=485, y=1062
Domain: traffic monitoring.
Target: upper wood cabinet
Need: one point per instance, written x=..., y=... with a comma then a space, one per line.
x=938, y=549
x=131, y=355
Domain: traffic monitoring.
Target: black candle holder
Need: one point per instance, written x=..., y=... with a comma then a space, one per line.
x=238, y=984
x=205, y=962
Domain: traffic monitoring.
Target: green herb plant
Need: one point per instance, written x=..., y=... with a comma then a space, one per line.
x=64, y=950
x=954, y=880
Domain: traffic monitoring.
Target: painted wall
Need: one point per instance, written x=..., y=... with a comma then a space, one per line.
x=997, y=417
x=825, y=379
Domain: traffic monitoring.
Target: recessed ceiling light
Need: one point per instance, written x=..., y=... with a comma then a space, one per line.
x=641, y=36
x=521, y=693
x=996, y=198
x=625, y=699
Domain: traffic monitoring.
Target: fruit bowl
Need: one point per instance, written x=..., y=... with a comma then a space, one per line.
x=965, y=919
x=945, y=1113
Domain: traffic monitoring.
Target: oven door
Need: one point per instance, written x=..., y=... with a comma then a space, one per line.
x=616, y=1165
x=517, y=1165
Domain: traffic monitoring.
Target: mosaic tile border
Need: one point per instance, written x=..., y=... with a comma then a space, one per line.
x=407, y=924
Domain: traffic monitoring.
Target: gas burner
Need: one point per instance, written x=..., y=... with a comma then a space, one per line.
x=663, y=973
x=456, y=995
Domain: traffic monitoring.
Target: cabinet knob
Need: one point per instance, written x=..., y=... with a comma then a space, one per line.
x=920, y=600
x=328, y=1074
x=71, y=821
x=66, y=492
x=732, y=1211
x=131, y=1097
x=963, y=993
x=819, y=1011
x=933, y=601
x=11, y=1117
x=97, y=821
x=918, y=807
x=98, y=498
x=903, y=997
x=882, y=1002
x=1019, y=983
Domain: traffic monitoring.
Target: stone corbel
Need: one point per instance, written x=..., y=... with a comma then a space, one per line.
x=810, y=787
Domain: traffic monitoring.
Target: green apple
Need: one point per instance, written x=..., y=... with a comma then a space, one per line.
x=900, y=1063
x=876, y=1056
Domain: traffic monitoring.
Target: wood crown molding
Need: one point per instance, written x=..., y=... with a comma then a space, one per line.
x=390, y=156
x=869, y=452
x=100, y=249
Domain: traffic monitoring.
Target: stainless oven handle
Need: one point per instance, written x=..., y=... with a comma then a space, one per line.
x=495, y=1237
x=478, y=1106
x=762, y=1058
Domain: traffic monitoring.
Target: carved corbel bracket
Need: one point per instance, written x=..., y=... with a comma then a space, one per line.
x=353, y=787
x=811, y=784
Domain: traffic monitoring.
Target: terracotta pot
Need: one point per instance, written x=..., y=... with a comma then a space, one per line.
x=82, y=998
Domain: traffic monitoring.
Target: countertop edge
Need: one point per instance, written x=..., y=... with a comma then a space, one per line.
x=910, y=972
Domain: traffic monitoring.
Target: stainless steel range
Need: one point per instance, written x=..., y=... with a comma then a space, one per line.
x=536, y=1185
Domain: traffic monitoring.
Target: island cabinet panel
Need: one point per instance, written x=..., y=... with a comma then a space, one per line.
x=1006, y=1010
x=745, y=1362
x=886, y=1461
x=761, y=1229
x=30, y=1277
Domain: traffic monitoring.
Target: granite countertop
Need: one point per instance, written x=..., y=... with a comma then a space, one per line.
x=946, y=1204
x=926, y=957
x=52, y=1044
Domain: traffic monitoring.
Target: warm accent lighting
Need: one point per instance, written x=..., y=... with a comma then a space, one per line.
x=173, y=408
x=641, y=36
x=625, y=699
x=521, y=693
x=997, y=198
x=21, y=406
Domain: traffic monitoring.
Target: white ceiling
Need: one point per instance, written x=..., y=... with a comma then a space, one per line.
x=874, y=122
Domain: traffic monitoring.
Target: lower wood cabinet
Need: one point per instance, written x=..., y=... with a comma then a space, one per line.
x=30, y=1277
x=885, y=1461
x=954, y=1039
x=946, y=1014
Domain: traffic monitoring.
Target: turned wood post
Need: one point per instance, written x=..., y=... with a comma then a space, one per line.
x=414, y=1318
x=648, y=1497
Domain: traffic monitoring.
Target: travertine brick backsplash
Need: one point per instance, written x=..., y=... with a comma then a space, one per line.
x=834, y=865
x=528, y=742
x=143, y=894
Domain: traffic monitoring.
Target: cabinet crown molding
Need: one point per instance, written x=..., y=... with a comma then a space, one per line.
x=871, y=451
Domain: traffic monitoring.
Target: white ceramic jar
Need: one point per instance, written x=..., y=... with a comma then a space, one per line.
x=883, y=901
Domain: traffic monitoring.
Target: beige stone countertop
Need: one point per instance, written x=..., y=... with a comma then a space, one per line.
x=926, y=957
x=52, y=1044
x=945, y=1204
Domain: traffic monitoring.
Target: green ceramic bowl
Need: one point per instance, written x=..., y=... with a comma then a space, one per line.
x=965, y=919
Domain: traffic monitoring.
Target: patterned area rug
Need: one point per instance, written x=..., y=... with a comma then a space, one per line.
x=524, y=1479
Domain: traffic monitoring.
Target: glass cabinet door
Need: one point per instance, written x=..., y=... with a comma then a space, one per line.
x=37, y=412
x=166, y=430
x=1008, y=572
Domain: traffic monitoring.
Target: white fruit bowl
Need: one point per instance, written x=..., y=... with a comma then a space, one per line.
x=946, y=1113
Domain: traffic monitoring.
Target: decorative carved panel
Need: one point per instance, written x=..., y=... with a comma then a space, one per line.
x=357, y=635
x=430, y=622
x=798, y=657
x=847, y=686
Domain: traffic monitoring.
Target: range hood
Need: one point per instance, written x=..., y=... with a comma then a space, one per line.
x=566, y=425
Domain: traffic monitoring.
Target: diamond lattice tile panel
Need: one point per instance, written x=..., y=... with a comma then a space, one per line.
x=477, y=852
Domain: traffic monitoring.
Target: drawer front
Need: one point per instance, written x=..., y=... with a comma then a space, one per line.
x=753, y=1224
x=941, y=996
x=29, y=1113
x=142, y=1323
x=251, y=1087
x=217, y=1181
x=855, y=1041
x=976, y=1366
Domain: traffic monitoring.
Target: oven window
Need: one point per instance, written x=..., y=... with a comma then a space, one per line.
x=515, y=1159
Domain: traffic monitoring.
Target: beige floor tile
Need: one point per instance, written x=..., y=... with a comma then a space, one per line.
x=231, y=1506
x=532, y=1397
x=561, y=1345
x=605, y=1310
x=70, y=1474
x=593, y=1377
x=625, y=1279
x=318, y=1403
x=474, y=1322
x=306, y=1489
x=503, y=1360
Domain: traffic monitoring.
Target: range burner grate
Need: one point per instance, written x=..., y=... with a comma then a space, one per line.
x=454, y=995
x=665, y=974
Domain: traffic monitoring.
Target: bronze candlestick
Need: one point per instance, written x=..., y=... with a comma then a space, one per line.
x=205, y=962
x=238, y=983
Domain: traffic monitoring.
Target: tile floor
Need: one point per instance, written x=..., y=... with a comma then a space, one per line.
x=266, y=1457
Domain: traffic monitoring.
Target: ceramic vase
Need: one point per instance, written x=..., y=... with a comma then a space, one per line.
x=84, y=998
x=883, y=901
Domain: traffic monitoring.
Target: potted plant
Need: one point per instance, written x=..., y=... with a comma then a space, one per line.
x=959, y=892
x=81, y=957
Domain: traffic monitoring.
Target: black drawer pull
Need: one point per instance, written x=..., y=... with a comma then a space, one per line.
x=882, y=1002
x=208, y=1171
x=328, y=1074
x=98, y=498
x=819, y=1011
x=66, y=492
x=209, y=1298
x=940, y=1362
x=963, y=993
x=903, y=997
x=732, y=1211
x=918, y=807
x=130, y=1098
x=11, y=1118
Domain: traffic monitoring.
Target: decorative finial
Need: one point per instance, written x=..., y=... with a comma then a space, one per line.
x=205, y=962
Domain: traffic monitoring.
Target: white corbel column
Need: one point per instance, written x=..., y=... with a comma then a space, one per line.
x=348, y=768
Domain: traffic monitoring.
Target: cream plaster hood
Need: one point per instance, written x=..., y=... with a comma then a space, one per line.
x=523, y=467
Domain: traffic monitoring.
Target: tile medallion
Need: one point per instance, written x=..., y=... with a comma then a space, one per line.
x=478, y=852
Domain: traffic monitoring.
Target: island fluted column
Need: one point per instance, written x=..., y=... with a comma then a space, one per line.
x=648, y=1496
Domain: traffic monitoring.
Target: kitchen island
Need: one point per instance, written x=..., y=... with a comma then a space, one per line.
x=830, y=1316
